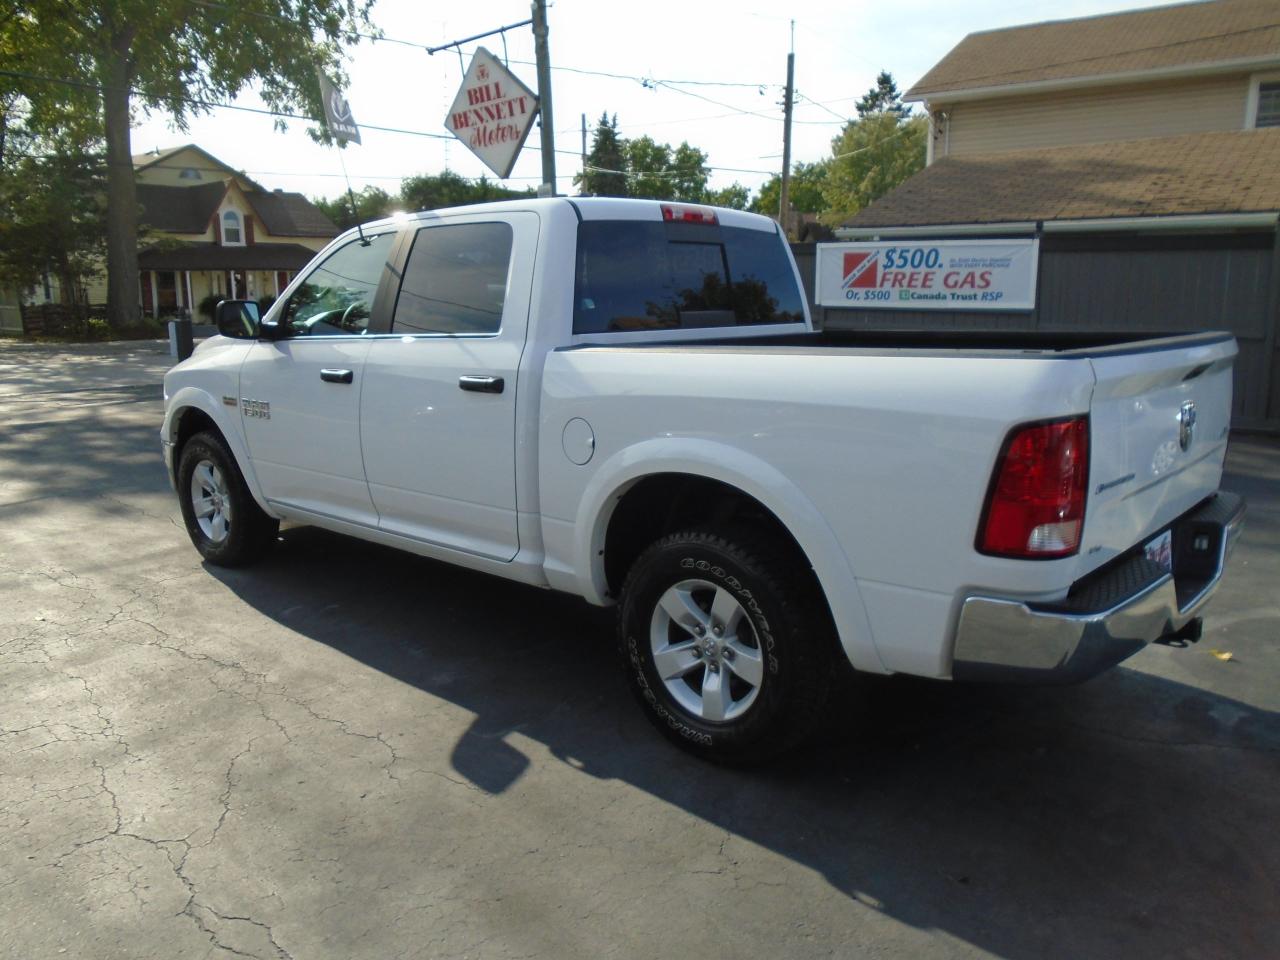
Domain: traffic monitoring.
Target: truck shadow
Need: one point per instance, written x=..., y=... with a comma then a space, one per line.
x=1129, y=811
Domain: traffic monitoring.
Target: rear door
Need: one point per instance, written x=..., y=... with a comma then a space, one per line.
x=1158, y=437
x=438, y=410
x=300, y=394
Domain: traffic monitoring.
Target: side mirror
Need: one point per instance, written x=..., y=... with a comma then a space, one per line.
x=238, y=319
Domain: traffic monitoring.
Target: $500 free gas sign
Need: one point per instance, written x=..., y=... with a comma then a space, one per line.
x=930, y=275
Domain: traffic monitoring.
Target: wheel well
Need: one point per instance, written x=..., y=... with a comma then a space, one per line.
x=667, y=502
x=191, y=420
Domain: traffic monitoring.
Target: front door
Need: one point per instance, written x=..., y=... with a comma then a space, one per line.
x=439, y=405
x=300, y=394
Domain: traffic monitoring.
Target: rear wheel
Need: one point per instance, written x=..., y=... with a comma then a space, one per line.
x=223, y=520
x=727, y=643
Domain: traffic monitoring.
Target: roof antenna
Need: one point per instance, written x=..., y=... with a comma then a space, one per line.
x=355, y=215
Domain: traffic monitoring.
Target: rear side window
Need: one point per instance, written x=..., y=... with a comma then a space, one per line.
x=455, y=280
x=644, y=275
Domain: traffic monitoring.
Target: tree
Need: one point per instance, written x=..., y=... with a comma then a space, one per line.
x=807, y=180
x=874, y=153
x=647, y=163
x=171, y=55
x=448, y=189
x=735, y=196
x=52, y=213
x=883, y=98
x=871, y=157
x=603, y=176
x=372, y=203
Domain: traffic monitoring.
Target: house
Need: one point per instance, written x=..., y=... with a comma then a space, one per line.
x=1141, y=148
x=214, y=231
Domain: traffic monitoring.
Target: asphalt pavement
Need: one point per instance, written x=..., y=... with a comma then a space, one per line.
x=347, y=752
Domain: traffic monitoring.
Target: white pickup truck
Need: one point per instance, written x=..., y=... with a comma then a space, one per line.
x=627, y=400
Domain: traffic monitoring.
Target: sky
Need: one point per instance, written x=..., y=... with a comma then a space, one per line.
x=736, y=51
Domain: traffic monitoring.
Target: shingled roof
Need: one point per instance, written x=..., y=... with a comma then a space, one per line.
x=1202, y=173
x=179, y=209
x=1163, y=38
x=189, y=209
x=291, y=215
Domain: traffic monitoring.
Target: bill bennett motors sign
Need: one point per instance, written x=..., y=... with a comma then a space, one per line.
x=929, y=275
x=492, y=113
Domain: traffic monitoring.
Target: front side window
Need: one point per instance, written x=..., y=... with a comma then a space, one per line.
x=455, y=280
x=1268, y=114
x=231, y=227
x=644, y=275
x=336, y=298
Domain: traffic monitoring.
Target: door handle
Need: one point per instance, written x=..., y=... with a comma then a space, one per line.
x=336, y=376
x=481, y=384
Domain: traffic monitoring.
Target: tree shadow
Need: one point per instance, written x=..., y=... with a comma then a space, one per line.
x=1126, y=817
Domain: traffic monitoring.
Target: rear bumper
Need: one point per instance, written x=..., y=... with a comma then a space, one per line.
x=1108, y=616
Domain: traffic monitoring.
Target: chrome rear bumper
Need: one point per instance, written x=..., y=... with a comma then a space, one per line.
x=1106, y=617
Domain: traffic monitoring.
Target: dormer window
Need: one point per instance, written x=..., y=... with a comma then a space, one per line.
x=1268, y=113
x=231, y=234
x=189, y=173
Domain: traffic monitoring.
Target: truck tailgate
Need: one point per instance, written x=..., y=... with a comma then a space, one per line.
x=1159, y=417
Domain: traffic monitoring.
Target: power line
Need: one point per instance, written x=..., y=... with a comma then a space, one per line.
x=718, y=103
x=212, y=104
x=382, y=38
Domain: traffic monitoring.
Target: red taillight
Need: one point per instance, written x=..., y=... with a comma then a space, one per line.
x=1036, y=506
x=683, y=213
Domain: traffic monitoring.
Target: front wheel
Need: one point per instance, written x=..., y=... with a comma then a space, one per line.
x=727, y=643
x=224, y=522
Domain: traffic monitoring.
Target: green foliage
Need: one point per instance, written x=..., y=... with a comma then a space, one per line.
x=208, y=304
x=52, y=216
x=605, y=162
x=114, y=56
x=807, y=180
x=883, y=98
x=735, y=196
x=372, y=203
x=644, y=168
x=170, y=52
x=874, y=153
x=871, y=157
x=448, y=189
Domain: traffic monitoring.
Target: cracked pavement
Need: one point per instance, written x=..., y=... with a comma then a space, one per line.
x=346, y=752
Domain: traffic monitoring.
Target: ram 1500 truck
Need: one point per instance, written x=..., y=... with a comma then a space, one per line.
x=627, y=400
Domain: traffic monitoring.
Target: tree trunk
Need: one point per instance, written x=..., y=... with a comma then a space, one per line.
x=123, y=304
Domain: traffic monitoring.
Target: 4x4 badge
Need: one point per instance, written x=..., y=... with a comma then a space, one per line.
x=1186, y=424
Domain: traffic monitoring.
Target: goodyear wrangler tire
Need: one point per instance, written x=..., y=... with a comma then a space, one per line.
x=727, y=643
x=223, y=520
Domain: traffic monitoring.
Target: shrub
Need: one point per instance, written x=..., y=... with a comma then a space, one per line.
x=208, y=305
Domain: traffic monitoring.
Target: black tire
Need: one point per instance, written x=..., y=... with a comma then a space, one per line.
x=790, y=623
x=249, y=532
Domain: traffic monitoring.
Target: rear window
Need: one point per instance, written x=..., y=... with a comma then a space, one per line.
x=644, y=275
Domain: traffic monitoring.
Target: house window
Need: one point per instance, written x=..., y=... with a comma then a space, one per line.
x=1268, y=113
x=189, y=173
x=231, y=228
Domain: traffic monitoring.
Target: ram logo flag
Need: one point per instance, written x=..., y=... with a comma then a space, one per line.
x=337, y=111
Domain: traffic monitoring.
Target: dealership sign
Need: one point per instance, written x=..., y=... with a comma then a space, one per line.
x=929, y=275
x=493, y=113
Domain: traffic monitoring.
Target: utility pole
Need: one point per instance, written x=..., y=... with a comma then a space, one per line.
x=584, y=153
x=784, y=200
x=543, y=57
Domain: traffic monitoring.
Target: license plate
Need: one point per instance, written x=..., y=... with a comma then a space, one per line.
x=1160, y=550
